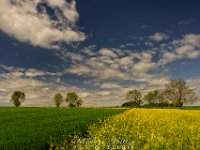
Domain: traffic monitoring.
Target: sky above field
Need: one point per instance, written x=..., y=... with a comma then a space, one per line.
x=100, y=49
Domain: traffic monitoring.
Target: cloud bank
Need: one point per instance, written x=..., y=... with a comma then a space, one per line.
x=109, y=72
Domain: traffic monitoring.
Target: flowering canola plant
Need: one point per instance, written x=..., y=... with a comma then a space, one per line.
x=146, y=129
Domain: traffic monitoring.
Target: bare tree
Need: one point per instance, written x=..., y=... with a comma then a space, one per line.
x=179, y=93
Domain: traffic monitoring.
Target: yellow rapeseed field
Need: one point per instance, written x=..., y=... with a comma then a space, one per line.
x=151, y=129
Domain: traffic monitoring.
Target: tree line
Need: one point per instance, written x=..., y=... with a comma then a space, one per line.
x=176, y=94
x=18, y=97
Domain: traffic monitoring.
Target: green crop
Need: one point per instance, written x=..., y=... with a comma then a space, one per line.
x=38, y=128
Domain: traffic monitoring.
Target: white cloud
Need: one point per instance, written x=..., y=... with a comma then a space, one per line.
x=22, y=20
x=13, y=72
x=194, y=54
x=188, y=39
x=168, y=57
x=107, y=52
x=186, y=47
x=184, y=50
x=110, y=86
x=79, y=70
x=34, y=73
x=158, y=37
x=143, y=67
x=57, y=3
x=100, y=73
x=126, y=61
x=146, y=56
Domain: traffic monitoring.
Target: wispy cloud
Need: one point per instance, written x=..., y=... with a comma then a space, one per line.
x=186, y=47
x=158, y=37
x=186, y=22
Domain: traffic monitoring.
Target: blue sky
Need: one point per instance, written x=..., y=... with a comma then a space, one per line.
x=100, y=49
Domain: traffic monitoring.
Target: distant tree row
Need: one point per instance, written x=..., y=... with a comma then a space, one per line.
x=18, y=97
x=175, y=94
x=72, y=98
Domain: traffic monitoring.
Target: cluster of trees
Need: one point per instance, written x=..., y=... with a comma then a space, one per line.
x=18, y=97
x=176, y=94
x=72, y=98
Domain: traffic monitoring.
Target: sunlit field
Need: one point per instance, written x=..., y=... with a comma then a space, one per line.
x=39, y=128
x=151, y=129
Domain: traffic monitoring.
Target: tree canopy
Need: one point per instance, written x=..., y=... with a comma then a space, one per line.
x=73, y=99
x=153, y=97
x=58, y=99
x=134, y=96
x=179, y=93
x=17, y=98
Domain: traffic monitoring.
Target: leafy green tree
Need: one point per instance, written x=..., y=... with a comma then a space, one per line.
x=73, y=99
x=177, y=92
x=150, y=98
x=58, y=99
x=135, y=97
x=17, y=98
x=153, y=97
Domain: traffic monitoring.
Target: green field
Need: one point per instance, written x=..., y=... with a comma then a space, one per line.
x=191, y=107
x=36, y=128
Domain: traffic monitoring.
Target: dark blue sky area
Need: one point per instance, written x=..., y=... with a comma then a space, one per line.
x=116, y=19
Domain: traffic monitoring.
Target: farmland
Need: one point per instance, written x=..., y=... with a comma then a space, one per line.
x=145, y=129
x=36, y=128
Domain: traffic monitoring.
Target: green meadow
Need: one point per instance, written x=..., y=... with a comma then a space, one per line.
x=38, y=128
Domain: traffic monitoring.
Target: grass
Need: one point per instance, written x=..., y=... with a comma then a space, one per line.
x=191, y=107
x=36, y=128
x=149, y=129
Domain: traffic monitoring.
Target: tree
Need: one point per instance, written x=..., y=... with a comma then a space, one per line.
x=73, y=99
x=58, y=99
x=153, y=97
x=17, y=98
x=129, y=104
x=134, y=96
x=177, y=92
x=150, y=98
